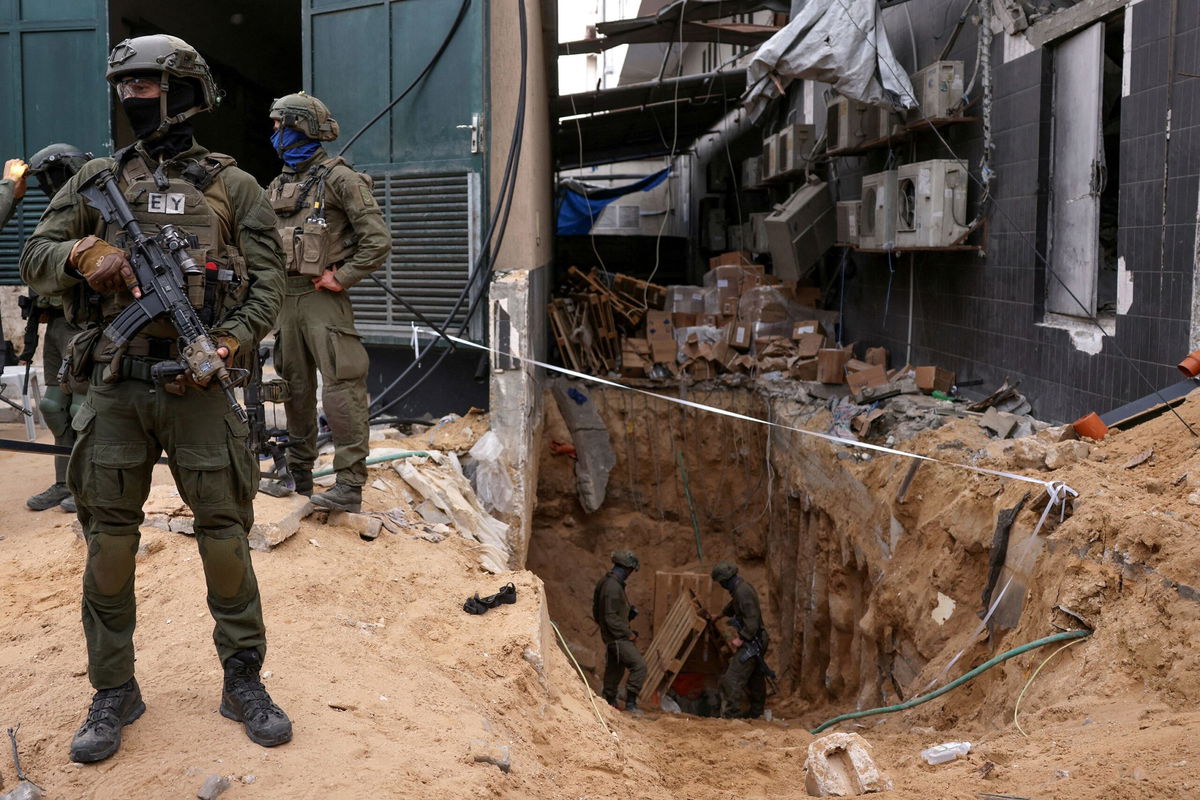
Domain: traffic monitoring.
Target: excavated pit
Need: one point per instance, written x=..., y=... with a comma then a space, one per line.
x=872, y=571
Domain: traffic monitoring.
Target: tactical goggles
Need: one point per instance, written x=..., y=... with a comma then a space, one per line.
x=137, y=86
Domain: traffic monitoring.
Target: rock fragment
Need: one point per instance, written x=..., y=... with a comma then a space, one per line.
x=213, y=786
x=840, y=765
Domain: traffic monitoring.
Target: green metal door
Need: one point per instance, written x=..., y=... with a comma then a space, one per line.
x=426, y=156
x=52, y=89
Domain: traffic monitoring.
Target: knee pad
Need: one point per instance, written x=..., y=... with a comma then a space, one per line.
x=56, y=410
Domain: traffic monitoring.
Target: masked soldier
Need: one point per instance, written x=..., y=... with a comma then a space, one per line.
x=128, y=418
x=747, y=671
x=613, y=613
x=52, y=167
x=333, y=236
x=12, y=188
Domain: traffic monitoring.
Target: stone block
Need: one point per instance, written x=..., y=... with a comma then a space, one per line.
x=364, y=525
x=1064, y=453
x=276, y=519
x=840, y=765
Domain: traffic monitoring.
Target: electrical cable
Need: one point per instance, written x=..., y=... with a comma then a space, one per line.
x=486, y=258
x=954, y=684
x=1028, y=683
x=1024, y=237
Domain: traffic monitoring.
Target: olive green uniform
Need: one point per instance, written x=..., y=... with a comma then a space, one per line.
x=745, y=674
x=57, y=407
x=316, y=327
x=7, y=203
x=610, y=609
x=126, y=422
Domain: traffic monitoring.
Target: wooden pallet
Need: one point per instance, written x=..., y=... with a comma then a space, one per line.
x=681, y=630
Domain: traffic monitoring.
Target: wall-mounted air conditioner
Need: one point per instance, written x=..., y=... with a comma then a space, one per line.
x=939, y=88
x=795, y=143
x=752, y=174
x=877, y=223
x=800, y=230
x=881, y=123
x=849, y=212
x=756, y=241
x=847, y=123
x=931, y=207
x=770, y=157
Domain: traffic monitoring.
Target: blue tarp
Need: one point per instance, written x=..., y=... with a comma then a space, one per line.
x=578, y=210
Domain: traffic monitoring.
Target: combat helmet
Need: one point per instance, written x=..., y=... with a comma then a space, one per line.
x=54, y=165
x=307, y=114
x=723, y=571
x=625, y=558
x=170, y=57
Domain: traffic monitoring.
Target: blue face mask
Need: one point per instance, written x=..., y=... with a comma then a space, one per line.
x=293, y=146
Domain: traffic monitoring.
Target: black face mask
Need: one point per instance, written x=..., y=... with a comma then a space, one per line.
x=143, y=115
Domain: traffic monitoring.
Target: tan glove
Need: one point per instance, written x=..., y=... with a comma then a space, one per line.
x=104, y=267
x=186, y=381
x=14, y=170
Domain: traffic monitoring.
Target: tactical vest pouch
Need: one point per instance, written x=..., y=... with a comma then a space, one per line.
x=312, y=248
x=76, y=371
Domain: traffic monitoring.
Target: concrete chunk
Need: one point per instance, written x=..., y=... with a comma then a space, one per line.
x=364, y=525
x=213, y=786
x=1064, y=453
x=840, y=765
x=276, y=519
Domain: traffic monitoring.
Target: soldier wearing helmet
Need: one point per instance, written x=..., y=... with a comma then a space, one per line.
x=52, y=167
x=333, y=236
x=128, y=418
x=613, y=613
x=747, y=672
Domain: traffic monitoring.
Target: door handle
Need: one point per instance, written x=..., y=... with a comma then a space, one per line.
x=476, y=129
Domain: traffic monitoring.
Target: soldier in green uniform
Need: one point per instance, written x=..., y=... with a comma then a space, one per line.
x=333, y=236
x=52, y=167
x=12, y=188
x=747, y=672
x=613, y=613
x=127, y=419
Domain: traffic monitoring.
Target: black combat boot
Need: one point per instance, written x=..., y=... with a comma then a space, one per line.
x=342, y=497
x=245, y=700
x=611, y=699
x=48, y=498
x=631, y=702
x=303, y=479
x=111, y=710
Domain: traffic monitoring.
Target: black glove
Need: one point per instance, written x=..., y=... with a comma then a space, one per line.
x=633, y=612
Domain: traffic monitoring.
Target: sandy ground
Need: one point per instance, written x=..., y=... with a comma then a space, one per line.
x=395, y=692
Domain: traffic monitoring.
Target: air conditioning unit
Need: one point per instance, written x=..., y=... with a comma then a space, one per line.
x=847, y=123
x=800, y=230
x=881, y=123
x=849, y=212
x=939, y=88
x=877, y=224
x=716, y=230
x=756, y=241
x=931, y=205
x=795, y=143
x=752, y=174
x=770, y=157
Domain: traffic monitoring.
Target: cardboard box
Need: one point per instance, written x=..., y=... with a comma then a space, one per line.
x=873, y=375
x=877, y=355
x=661, y=334
x=635, y=358
x=804, y=369
x=854, y=365
x=831, y=365
x=808, y=344
x=807, y=295
x=682, y=320
x=738, y=336
x=807, y=327
x=700, y=369
x=931, y=379
x=685, y=299
x=734, y=258
x=729, y=307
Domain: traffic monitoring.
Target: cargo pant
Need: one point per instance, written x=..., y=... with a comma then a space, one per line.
x=618, y=657
x=121, y=429
x=743, y=679
x=56, y=406
x=316, y=333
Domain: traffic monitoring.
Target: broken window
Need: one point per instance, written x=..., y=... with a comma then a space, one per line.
x=1084, y=185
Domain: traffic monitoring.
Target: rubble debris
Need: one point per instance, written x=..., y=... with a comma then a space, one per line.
x=840, y=765
x=1066, y=453
x=945, y=753
x=1140, y=458
x=366, y=526
x=998, y=423
x=212, y=787
x=491, y=479
x=592, y=444
x=483, y=752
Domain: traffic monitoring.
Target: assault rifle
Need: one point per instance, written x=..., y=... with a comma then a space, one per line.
x=753, y=648
x=159, y=263
x=264, y=441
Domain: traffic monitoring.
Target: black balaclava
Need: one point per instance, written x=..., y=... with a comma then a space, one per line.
x=622, y=573
x=144, y=117
x=729, y=583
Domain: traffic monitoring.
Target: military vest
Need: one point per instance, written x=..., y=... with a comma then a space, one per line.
x=314, y=233
x=189, y=196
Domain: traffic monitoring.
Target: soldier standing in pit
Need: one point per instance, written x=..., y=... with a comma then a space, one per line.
x=127, y=420
x=612, y=612
x=333, y=236
x=747, y=671
x=52, y=167
x=12, y=188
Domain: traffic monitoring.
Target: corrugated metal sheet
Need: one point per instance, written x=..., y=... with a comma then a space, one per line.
x=13, y=235
x=433, y=220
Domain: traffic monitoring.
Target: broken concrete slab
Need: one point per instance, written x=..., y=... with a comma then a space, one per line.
x=276, y=519
x=447, y=488
x=840, y=765
x=1065, y=453
x=364, y=525
x=590, y=437
x=999, y=423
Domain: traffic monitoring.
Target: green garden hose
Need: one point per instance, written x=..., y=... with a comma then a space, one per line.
x=984, y=667
x=379, y=460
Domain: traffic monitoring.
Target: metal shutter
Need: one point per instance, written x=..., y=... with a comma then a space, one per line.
x=433, y=220
x=14, y=234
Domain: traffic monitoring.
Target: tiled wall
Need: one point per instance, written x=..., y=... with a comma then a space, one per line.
x=980, y=316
